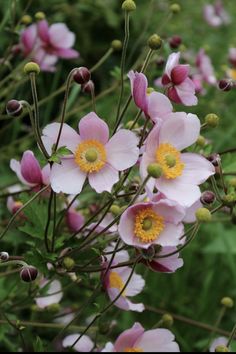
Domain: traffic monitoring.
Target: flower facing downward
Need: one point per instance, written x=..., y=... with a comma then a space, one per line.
x=182, y=172
x=93, y=155
x=136, y=339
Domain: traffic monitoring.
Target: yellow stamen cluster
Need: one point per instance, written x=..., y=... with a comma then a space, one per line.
x=169, y=159
x=133, y=350
x=148, y=225
x=116, y=282
x=90, y=156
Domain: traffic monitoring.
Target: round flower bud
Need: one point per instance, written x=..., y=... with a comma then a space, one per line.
x=88, y=87
x=221, y=349
x=28, y=274
x=68, y=263
x=82, y=75
x=167, y=320
x=154, y=170
x=175, y=42
x=203, y=215
x=155, y=42
x=232, y=182
x=212, y=120
x=229, y=199
x=14, y=108
x=214, y=159
x=175, y=8
x=208, y=198
x=201, y=141
x=116, y=45
x=227, y=302
x=26, y=20
x=39, y=16
x=129, y=5
x=31, y=68
x=4, y=256
x=115, y=210
x=150, y=90
x=225, y=85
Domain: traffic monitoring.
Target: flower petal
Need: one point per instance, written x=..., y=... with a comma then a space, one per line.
x=157, y=340
x=169, y=264
x=47, y=300
x=139, y=85
x=91, y=127
x=104, y=180
x=43, y=31
x=158, y=106
x=84, y=345
x=136, y=284
x=67, y=53
x=30, y=168
x=170, y=210
x=179, y=74
x=173, y=60
x=186, y=92
x=128, y=338
x=170, y=236
x=197, y=169
x=60, y=36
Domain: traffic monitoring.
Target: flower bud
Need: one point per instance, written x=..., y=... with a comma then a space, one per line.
x=229, y=199
x=68, y=263
x=116, y=45
x=14, y=108
x=227, y=302
x=129, y=5
x=175, y=8
x=154, y=170
x=225, y=85
x=167, y=321
x=28, y=274
x=208, y=198
x=39, y=16
x=115, y=210
x=221, y=349
x=201, y=141
x=82, y=76
x=214, y=159
x=175, y=42
x=149, y=253
x=4, y=256
x=203, y=215
x=26, y=20
x=155, y=42
x=88, y=87
x=212, y=120
x=31, y=68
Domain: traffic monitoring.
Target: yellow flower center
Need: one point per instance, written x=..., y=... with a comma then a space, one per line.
x=170, y=160
x=232, y=73
x=148, y=225
x=116, y=282
x=133, y=350
x=90, y=156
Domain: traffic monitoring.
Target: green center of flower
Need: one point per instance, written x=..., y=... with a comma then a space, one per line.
x=147, y=224
x=170, y=160
x=91, y=155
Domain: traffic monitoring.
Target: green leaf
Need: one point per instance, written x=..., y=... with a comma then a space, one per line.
x=38, y=345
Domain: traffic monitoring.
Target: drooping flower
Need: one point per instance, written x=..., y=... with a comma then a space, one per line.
x=168, y=264
x=136, y=339
x=29, y=171
x=84, y=344
x=45, y=44
x=215, y=14
x=182, y=172
x=205, y=68
x=116, y=279
x=154, y=105
x=145, y=224
x=180, y=88
x=53, y=294
x=93, y=155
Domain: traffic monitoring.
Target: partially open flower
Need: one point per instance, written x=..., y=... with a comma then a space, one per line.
x=28, y=274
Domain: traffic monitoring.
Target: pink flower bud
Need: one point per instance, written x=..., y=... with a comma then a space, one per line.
x=14, y=108
x=208, y=197
x=28, y=274
x=225, y=85
x=82, y=76
x=175, y=42
x=88, y=87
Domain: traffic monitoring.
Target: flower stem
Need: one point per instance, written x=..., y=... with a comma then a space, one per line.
x=102, y=60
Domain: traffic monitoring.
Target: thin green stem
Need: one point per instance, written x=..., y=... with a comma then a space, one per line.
x=232, y=336
x=46, y=241
x=102, y=60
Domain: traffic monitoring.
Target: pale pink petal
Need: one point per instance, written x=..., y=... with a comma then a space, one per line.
x=46, y=174
x=186, y=92
x=169, y=264
x=123, y=303
x=158, y=106
x=91, y=127
x=60, y=36
x=182, y=131
x=173, y=95
x=109, y=348
x=128, y=338
x=67, y=53
x=136, y=284
x=10, y=204
x=145, y=161
x=139, y=85
x=170, y=236
x=67, y=177
x=55, y=290
x=84, y=345
x=16, y=167
x=43, y=31
x=172, y=61
x=179, y=74
x=153, y=141
x=157, y=340
x=120, y=257
x=74, y=220
x=205, y=67
x=48, y=62
x=104, y=180
x=218, y=341
x=126, y=226
x=69, y=137
x=211, y=18
x=30, y=168
x=197, y=169
x=190, y=216
x=170, y=210
x=122, y=150
x=28, y=39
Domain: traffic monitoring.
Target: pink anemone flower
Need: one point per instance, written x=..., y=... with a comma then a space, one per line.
x=182, y=172
x=154, y=105
x=84, y=345
x=215, y=15
x=29, y=171
x=145, y=224
x=205, y=68
x=136, y=339
x=116, y=279
x=93, y=155
x=180, y=88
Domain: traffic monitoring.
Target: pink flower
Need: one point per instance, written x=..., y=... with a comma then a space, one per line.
x=93, y=155
x=116, y=279
x=217, y=342
x=198, y=82
x=146, y=224
x=13, y=206
x=45, y=44
x=232, y=56
x=180, y=88
x=74, y=219
x=137, y=339
x=215, y=15
x=182, y=172
x=154, y=105
x=84, y=345
x=29, y=171
x=205, y=68
x=53, y=294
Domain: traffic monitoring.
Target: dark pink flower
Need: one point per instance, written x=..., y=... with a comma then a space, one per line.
x=205, y=68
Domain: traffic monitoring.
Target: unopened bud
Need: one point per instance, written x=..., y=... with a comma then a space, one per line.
x=28, y=274
x=39, y=16
x=115, y=210
x=221, y=349
x=89, y=87
x=214, y=159
x=227, y=302
x=225, y=85
x=68, y=263
x=208, y=198
x=167, y=321
x=229, y=199
x=175, y=42
x=31, y=67
x=4, y=256
x=129, y=5
x=175, y=8
x=155, y=42
x=150, y=90
x=201, y=141
x=203, y=215
x=212, y=120
x=26, y=20
x=149, y=253
x=116, y=45
x=154, y=170
x=14, y=108
x=82, y=75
